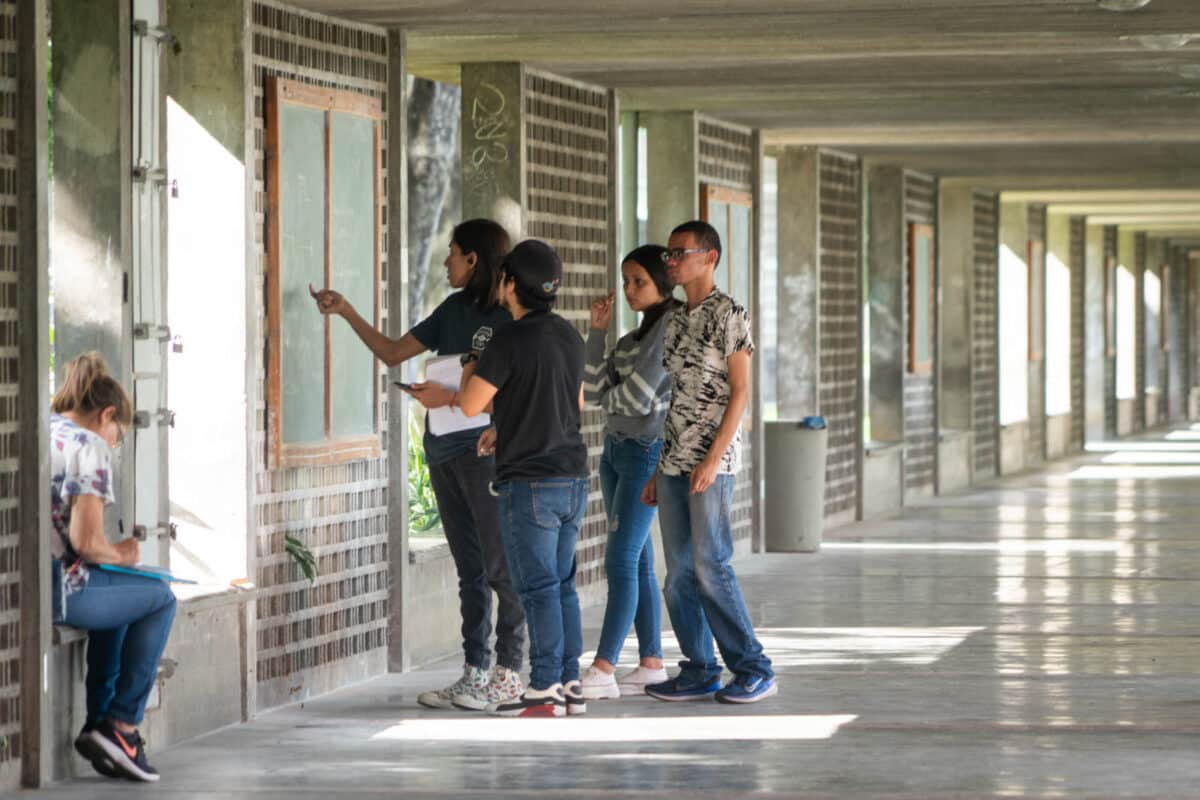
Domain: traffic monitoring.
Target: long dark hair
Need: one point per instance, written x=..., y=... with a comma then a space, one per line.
x=490, y=243
x=650, y=258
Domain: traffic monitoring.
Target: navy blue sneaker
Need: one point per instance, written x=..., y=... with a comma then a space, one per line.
x=748, y=689
x=680, y=689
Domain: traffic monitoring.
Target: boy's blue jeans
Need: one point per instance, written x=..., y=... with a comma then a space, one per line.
x=702, y=592
x=128, y=619
x=539, y=522
x=633, y=596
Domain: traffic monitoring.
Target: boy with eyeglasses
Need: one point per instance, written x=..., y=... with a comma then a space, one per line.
x=706, y=349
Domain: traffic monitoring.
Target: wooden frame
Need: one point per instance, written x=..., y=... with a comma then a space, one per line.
x=1110, y=307
x=331, y=450
x=712, y=193
x=919, y=307
x=1035, y=254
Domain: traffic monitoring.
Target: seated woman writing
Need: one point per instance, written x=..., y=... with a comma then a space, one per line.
x=128, y=617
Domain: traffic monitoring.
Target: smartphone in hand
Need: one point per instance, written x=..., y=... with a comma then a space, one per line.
x=408, y=387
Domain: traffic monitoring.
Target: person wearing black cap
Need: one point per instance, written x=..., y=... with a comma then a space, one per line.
x=532, y=374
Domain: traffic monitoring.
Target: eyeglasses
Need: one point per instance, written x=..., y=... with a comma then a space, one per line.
x=680, y=252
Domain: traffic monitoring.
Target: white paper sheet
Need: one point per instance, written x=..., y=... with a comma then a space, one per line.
x=447, y=371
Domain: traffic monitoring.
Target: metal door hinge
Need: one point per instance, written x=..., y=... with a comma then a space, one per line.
x=159, y=33
x=142, y=173
x=144, y=419
x=144, y=330
x=167, y=529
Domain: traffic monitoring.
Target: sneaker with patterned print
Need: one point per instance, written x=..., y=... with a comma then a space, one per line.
x=505, y=684
x=473, y=679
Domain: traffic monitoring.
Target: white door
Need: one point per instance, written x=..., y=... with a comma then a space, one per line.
x=151, y=336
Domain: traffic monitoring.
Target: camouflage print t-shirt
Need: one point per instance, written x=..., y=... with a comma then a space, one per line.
x=697, y=345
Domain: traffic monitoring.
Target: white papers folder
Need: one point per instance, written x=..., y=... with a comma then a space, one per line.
x=447, y=371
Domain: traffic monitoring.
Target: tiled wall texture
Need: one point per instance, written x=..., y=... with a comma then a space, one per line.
x=841, y=324
x=726, y=156
x=920, y=434
x=339, y=511
x=567, y=177
x=985, y=404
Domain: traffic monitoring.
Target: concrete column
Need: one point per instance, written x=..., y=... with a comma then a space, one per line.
x=493, y=144
x=92, y=194
x=1126, y=300
x=399, y=658
x=1056, y=317
x=33, y=402
x=882, y=487
x=1094, y=346
x=798, y=373
x=885, y=263
x=672, y=171
x=956, y=290
x=756, y=431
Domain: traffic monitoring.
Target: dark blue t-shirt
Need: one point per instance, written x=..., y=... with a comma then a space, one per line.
x=454, y=327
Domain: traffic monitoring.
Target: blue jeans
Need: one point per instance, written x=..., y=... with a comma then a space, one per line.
x=539, y=522
x=128, y=619
x=633, y=596
x=702, y=592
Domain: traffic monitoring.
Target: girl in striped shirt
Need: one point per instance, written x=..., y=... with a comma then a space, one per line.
x=634, y=390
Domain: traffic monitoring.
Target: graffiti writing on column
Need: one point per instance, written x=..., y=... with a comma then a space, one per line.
x=488, y=129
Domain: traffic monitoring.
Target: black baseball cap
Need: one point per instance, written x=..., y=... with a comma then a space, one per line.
x=536, y=266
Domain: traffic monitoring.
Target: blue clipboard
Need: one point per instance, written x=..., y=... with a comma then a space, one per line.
x=146, y=571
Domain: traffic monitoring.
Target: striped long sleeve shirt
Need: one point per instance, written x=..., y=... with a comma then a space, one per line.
x=630, y=384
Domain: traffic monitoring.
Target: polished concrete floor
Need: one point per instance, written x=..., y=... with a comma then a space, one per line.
x=1035, y=637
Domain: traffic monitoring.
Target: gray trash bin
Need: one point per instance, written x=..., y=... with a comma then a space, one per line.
x=795, y=485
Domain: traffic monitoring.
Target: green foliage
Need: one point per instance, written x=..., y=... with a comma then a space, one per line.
x=300, y=553
x=423, y=515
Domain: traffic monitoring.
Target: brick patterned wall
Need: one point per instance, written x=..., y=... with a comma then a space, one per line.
x=985, y=401
x=1139, y=331
x=339, y=511
x=1035, y=432
x=1078, y=266
x=920, y=434
x=10, y=379
x=567, y=138
x=1110, y=362
x=841, y=324
x=726, y=157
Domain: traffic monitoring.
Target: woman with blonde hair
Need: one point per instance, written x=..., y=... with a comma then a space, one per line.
x=128, y=617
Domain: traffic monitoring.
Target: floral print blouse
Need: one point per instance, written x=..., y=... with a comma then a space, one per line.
x=80, y=463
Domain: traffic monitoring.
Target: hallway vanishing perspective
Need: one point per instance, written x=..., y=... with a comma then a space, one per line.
x=1032, y=637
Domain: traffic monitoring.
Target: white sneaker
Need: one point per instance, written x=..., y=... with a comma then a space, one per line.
x=533, y=703
x=444, y=698
x=503, y=686
x=600, y=685
x=576, y=702
x=636, y=681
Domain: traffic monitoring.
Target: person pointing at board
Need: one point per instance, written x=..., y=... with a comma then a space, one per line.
x=459, y=472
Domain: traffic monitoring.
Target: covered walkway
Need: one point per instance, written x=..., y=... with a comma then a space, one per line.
x=1035, y=636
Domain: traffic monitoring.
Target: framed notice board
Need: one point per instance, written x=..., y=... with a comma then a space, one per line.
x=921, y=289
x=324, y=191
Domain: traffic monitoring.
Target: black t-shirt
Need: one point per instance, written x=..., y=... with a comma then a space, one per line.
x=456, y=326
x=536, y=364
